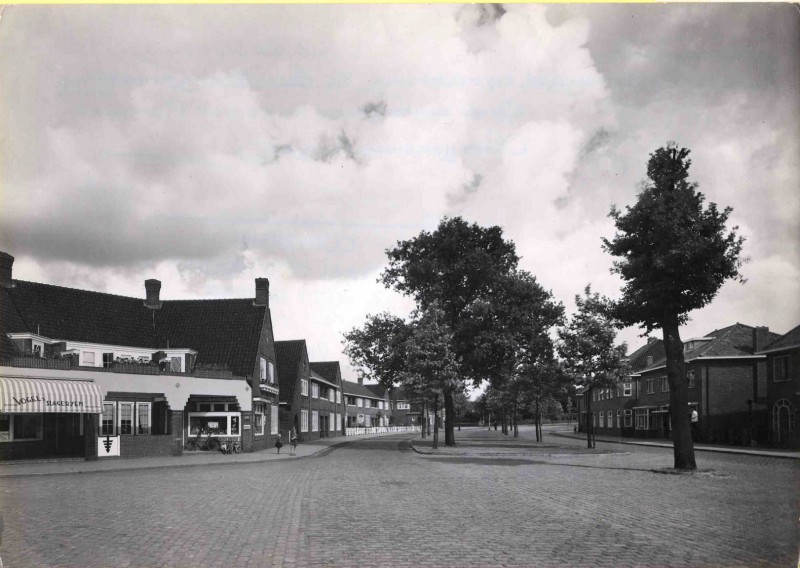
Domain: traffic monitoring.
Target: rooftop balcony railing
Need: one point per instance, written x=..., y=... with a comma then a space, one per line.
x=70, y=363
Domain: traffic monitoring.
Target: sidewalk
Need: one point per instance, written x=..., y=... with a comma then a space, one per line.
x=191, y=459
x=698, y=447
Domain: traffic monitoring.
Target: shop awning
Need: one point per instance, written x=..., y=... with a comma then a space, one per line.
x=49, y=395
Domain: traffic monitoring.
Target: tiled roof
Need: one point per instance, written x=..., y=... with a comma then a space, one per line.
x=789, y=339
x=288, y=357
x=221, y=331
x=638, y=359
x=368, y=391
x=733, y=341
x=328, y=370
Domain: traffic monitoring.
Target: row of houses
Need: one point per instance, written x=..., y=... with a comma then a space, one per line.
x=743, y=382
x=95, y=375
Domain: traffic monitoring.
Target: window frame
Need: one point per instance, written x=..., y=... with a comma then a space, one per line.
x=12, y=428
x=627, y=388
x=786, y=369
x=304, y=420
x=137, y=424
x=259, y=411
x=664, y=384
x=229, y=430
x=650, y=386
x=113, y=406
x=303, y=387
x=274, y=426
x=132, y=406
x=628, y=414
x=314, y=390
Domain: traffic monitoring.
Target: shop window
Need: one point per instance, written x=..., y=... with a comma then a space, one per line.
x=143, y=418
x=107, y=422
x=274, y=419
x=126, y=418
x=781, y=369
x=20, y=427
x=214, y=424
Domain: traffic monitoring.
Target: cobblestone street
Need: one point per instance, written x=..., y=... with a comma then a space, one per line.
x=380, y=503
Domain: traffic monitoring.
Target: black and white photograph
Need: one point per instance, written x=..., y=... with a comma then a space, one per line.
x=400, y=285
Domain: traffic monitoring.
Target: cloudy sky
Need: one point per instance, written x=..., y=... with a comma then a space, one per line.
x=207, y=146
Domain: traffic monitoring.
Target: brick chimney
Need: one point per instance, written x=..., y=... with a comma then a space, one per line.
x=153, y=289
x=262, y=292
x=760, y=338
x=651, y=340
x=361, y=380
x=6, y=264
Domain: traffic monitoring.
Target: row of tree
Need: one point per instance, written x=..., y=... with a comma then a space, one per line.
x=480, y=320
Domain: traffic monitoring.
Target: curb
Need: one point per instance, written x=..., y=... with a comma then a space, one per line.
x=318, y=453
x=721, y=450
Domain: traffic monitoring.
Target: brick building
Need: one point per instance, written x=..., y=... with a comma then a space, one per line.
x=86, y=373
x=727, y=381
x=402, y=411
x=783, y=388
x=310, y=402
x=366, y=405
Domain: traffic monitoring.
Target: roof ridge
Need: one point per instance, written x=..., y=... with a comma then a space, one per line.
x=78, y=289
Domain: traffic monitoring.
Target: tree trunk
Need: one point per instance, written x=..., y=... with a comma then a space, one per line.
x=682, y=446
x=505, y=422
x=423, y=421
x=435, y=421
x=589, y=421
x=449, y=419
x=536, y=419
x=516, y=427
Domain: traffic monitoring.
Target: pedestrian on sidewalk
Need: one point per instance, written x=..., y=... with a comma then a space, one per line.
x=695, y=424
x=293, y=440
x=278, y=442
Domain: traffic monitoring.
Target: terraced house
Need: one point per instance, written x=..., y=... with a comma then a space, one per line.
x=367, y=405
x=728, y=387
x=100, y=375
x=311, y=402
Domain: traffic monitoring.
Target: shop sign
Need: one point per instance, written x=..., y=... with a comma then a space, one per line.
x=23, y=400
x=108, y=446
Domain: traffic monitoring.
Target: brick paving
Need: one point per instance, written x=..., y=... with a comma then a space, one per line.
x=378, y=503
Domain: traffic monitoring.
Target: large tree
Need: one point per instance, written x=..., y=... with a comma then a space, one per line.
x=675, y=254
x=377, y=349
x=471, y=273
x=588, y=351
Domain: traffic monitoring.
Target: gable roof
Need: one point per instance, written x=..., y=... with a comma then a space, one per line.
x=221, y=331
x=328, y=370
x=654, y=349
x=364, y=391
x=288, y=358
x=786, y=341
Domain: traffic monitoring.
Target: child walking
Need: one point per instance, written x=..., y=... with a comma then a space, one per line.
x=293, y=440
x=278, y=442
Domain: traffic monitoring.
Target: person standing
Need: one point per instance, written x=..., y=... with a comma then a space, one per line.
x=695, y=424
x=293, y=440
x=278, y=442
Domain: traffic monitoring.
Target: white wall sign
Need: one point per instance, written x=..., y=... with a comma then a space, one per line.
x=107, y=446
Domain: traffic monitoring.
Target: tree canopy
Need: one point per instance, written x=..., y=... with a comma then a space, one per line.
x=674, y=253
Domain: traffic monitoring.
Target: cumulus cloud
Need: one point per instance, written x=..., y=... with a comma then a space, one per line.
x=211, y=145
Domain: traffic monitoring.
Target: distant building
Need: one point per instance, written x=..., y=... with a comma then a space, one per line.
x=367, y=406
x=311, y=393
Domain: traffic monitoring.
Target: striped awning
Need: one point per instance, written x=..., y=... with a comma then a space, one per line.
x=49, y=395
